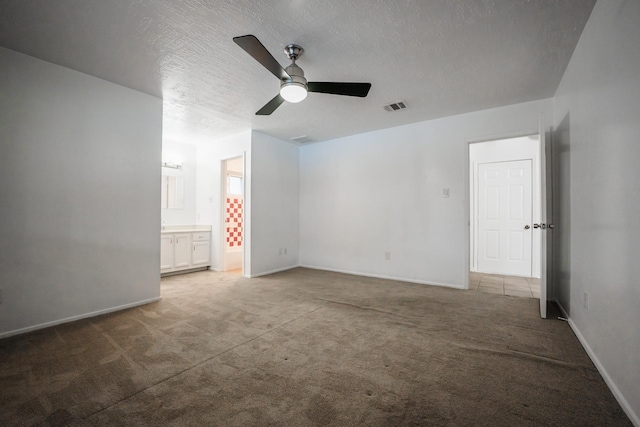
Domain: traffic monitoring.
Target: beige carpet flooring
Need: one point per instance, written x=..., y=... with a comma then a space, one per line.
x=306, y=347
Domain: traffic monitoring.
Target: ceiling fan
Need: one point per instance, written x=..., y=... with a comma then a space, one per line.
x=293, y=85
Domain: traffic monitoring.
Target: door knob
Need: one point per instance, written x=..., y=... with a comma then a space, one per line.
x=551, y=226
x=526, y=227
x=536, y=225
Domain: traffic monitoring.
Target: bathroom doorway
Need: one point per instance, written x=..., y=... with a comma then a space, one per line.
x=233, y=215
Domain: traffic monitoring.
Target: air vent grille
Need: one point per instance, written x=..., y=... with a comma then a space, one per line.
x=395, y=106
x=302, y=139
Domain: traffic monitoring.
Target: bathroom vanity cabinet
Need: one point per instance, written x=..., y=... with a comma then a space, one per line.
x=183, y=250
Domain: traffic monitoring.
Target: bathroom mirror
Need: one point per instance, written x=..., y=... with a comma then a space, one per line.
x=172, y=192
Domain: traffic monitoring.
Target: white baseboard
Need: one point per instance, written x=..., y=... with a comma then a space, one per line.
x=378, y=276
x=635, y=419
x=78, y=317
x=278, y=270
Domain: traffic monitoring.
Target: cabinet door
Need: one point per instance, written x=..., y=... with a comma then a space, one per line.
x=201, y=253
x=182, y=251
x=166, y=252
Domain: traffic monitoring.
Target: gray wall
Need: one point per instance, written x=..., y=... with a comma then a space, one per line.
x=80, y=200
x=597, y=153
x=271, y=211
x=377, y=192
x=275, y=204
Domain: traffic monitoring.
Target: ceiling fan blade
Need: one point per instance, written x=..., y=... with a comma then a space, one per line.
x=271, y=106
x=349, y=89
x=253, y=47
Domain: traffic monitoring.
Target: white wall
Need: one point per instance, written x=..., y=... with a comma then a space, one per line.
x=185, y=154
x=597, y=105
x=80, y=210
x=210, y=191
x=274, y=204
x=378, y=192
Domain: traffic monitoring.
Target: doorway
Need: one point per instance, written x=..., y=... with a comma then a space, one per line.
x=505, y=189
x=233, y=215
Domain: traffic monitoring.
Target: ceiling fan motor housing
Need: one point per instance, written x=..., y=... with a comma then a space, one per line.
x=297, y=76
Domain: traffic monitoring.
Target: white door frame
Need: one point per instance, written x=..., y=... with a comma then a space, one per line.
x=510, y=148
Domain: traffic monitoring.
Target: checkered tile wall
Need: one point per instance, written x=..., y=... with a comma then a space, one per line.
x=234, y=222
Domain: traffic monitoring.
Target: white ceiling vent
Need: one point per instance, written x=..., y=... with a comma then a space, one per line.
x=302, y=139
x=395, y=106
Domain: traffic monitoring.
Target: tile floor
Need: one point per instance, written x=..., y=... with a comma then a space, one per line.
x=526, y=287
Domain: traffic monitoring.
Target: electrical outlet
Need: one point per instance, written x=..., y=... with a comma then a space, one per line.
x=387, y=256
x=285, y=251
x=585, y=301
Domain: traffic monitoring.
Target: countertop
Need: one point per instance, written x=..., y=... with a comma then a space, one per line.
x=185, y=229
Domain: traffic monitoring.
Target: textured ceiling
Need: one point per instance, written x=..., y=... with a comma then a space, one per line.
x=441, y=57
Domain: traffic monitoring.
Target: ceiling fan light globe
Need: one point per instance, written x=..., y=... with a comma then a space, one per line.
x=293, y=92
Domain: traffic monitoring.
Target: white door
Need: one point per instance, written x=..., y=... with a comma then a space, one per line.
x=504, y=217
x=542, y=227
